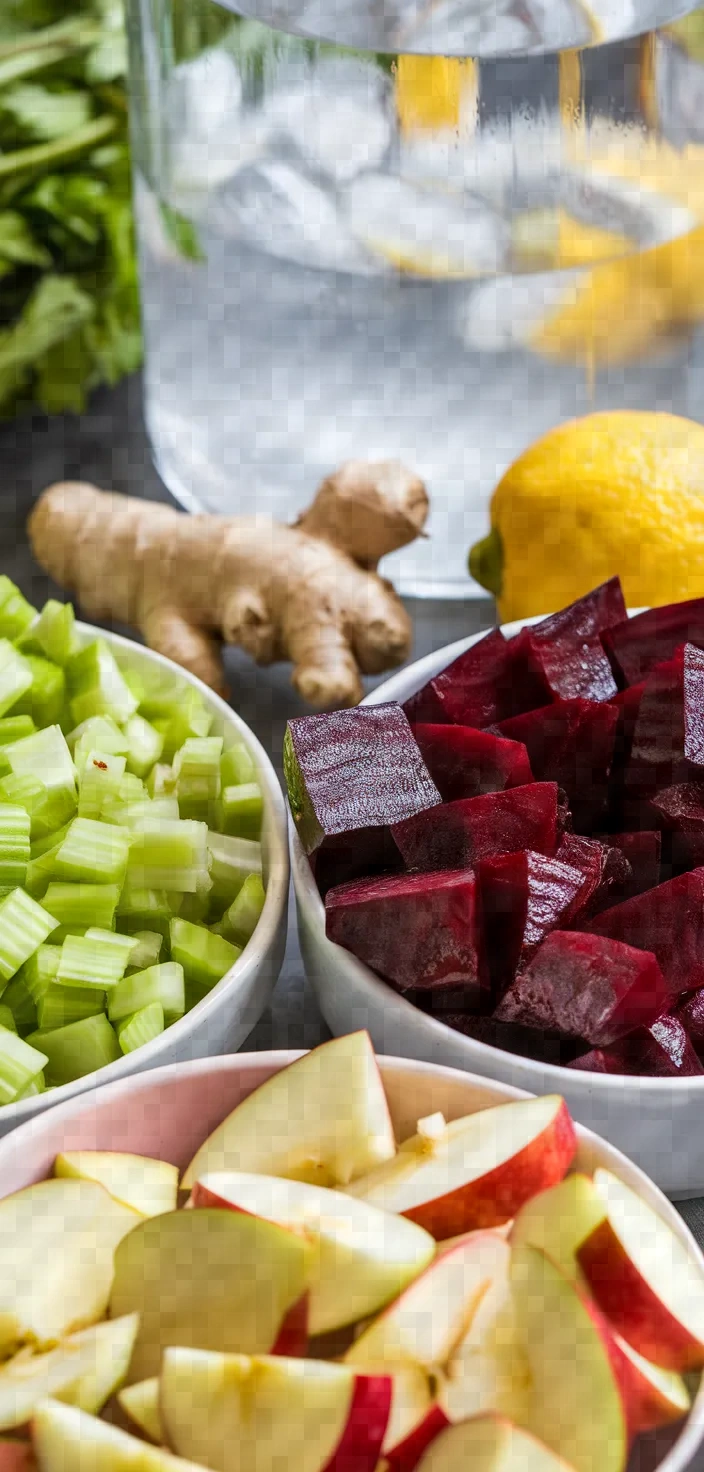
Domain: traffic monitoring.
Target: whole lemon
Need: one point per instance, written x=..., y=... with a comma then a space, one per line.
x=611, y=493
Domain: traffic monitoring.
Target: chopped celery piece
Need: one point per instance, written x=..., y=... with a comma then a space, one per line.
x=48, y=808
x=94, y=852
x=37, y=1086
x=146, y=951
x=141, y=1027
x=44, y=700
x=98, y=781
x=61, y=1004
x=197, y=773
x=194, y=907
x=15, y=728
x=96, y=685
x=7, y=1018
x=98, y=733
x=15, y=675
x=90, y=962
x=54, y=631
x=144, y=909
x=46, y=756
x=23, y=927
x=40, y=871
x=145, y=745
x=77, y=906
x=40, y=970
x=239, y=923
x=240, y=810
x=169, y=855
x=161, y=781
x=231, y=861
x=40, y=846
x=17, y=998
x=14, y=844
x=132, y=814
x=182, y=717
x=237, y=766
x=16, y=614
x=124, y=943
x=77, y=1049
x=127, y=792
x=205, y=957
x=164, y=984
x=20, y=1064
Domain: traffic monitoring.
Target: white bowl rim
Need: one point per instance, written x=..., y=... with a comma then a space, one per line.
x=535, y=1073
x=688, y=1442
x=253, y=954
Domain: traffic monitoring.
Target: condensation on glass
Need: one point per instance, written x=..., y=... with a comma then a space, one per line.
x=426, y=229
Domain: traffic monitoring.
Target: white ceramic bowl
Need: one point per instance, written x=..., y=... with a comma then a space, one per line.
x=657, y=1121
x=169, y=1112
x=224, y=1018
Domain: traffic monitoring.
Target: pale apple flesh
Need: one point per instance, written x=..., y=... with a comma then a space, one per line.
x=68, y=1440
x=232, y=1413
x=654, y=1397
x=83, y=1370
x=324, y=1120
x=148, y=1186
x=479, y=1171
x=644, y=1279
x=560, y=1219
x=218, y=1280
x=363, y=1256
x=140, y=1403
x=58, y=1241
x=489, y=1444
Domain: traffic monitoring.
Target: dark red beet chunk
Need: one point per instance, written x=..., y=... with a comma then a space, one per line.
x=669, y=921
x=638, y=644
x=459, y=834
x=668, y=740
x=680, y=810
x=572, y=743
x=662, y=1050
x=523, y=896
x=565, y=651
x=511, y=1039
x=642, y=852
x=474, y=690
x=464, y=762
x=418, y=931
x=604, y=869
x=350, y=775
x=691, y=1014
x=586, y=986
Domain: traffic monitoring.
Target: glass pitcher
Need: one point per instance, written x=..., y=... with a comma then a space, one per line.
x=420, y=229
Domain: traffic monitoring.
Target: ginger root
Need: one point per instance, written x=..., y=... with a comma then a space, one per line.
x=309, y=593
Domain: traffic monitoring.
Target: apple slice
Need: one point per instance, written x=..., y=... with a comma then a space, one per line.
x=16, y=1456
x=489, y=1444
x=324, y=1120
x=211, y=1279
x=560, y=1219
x=148, y=1186
x=578, y=1407
x=232, y=1413
x=140, y=1402
x=654, y=1396
x=83, y=1370
x=58, y=1242
x=489, y=1370
x=363, y=1257
x=644, y=1279
x=477, y=1171
x=430, y=1319
x=67, y=1440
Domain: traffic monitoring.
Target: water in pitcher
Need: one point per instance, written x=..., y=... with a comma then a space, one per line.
x=426, y=229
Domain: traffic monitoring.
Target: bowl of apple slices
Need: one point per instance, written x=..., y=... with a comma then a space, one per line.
x=326, y=1262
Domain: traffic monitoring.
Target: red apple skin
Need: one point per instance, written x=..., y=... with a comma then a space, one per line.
x=496, y=1197
x=16, y=1456
x=631, y=1306
x=646, y=1408
x=406, y=1454
x=359, y=1447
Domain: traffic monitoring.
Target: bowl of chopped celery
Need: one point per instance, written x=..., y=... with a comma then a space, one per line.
x=143, y=862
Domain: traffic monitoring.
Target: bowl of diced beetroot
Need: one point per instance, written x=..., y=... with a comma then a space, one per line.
x=499, y=865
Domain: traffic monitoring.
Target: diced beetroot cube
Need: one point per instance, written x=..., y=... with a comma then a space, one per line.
x=669, y=921
x=565, y=651
x=662, y=1050
x=571, y=742
x=586, y=986
x=523, y=896
x=350, y=774
x=474, y=690
x=464, y=762
x=418, y=931
x=680, y=809
x=642, y=852
x=511, y=1039
x=627, y=705
x=668, y=741
x=638, y=644
x=691, y=1014
x=459, y=834
x=604, y=869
